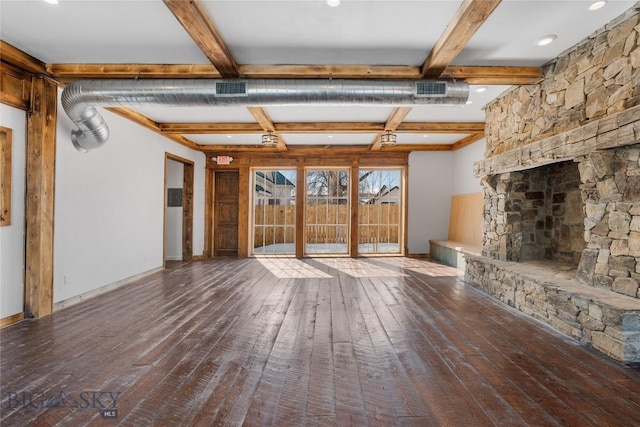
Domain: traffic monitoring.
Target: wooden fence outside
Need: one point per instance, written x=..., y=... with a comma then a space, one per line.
x=326, y=224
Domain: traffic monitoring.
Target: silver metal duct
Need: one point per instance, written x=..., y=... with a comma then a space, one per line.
x=80, y=98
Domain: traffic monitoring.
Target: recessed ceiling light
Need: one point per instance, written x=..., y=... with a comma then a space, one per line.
x=546, y=40
x=333, y=3
x=51, y=1
x=469, y=102
x=425, y=136
x=228, y=136
x=481, y=89
x=329, y=136
x=597, y=5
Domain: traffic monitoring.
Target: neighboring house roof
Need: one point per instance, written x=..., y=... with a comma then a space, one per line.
x=275, y=177
x=261, y=188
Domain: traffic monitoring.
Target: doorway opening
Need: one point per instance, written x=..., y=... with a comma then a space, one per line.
x=178, y=208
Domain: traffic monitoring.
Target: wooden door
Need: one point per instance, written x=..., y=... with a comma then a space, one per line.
x=225, y=228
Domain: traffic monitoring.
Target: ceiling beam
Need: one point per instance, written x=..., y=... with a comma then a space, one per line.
x=467, y=20
x=263, y=119
x=322, y=127
x=394, y=120
x=196, y=22
x=440, y=127
x=468, y=140
x=494, y=75
x=17, y=58
x=153, y=126
x=478, y=75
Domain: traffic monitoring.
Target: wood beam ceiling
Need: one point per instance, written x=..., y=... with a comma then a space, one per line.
x=394, y=120
x=194, y=19
x=477, y=75
x=263, y=119
x=20, y=59
x=333, y=127
x=467, y=20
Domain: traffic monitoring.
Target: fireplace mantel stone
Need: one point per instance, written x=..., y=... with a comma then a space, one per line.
x=613, y=131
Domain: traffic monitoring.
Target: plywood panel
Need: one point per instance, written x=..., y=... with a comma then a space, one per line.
x=465, y=223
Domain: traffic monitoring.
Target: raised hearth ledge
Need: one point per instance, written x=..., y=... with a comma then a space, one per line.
x=615, y=130
x=549, y=292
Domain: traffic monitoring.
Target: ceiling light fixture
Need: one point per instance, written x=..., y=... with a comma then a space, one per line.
x=388, y=138
x=269, y=139
x=481, y=89
x=333, y=3
x=51, y=1
x=469, y=102
x=597, y=5
x=425, y=136
x=546, y=40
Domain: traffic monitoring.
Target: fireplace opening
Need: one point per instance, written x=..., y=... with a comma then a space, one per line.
x=537, y=215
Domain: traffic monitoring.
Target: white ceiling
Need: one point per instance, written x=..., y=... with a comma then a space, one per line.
x=364, y=32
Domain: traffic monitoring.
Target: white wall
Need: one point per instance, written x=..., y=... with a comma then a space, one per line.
x=430, y=191
x=464, y=182
x=173, y=225
x=109, y=218
x=12, y=236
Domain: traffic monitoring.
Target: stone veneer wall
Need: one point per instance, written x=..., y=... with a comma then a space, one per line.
x=596, y=78
x=611, y=192
x=535, y=214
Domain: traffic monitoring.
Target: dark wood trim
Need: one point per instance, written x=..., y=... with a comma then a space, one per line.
x=15, y=87
x=243, y=211
x=354, y=202
x=40, y=189
x=6, y=143
x=9, y=320
x=187, y=206
x=477, y=75
x=20, y=59
x=301, y=203
x=209, y=181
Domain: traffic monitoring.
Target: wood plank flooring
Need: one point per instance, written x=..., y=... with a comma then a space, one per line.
x=317, y=342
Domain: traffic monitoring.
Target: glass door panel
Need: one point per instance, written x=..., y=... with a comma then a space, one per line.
x=327, y=211
x=274, y=199
x=379, y=211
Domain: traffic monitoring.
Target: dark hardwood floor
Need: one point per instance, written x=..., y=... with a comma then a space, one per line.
x=319, y=342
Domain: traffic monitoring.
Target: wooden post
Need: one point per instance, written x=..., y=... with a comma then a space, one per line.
x=301, y=180
x=187, y=212
x=208, y=212
x=41, y=160
x=354, y=204
x=243, y=211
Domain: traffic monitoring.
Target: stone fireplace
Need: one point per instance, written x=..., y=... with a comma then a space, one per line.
x=561, y=189
x=535, y=214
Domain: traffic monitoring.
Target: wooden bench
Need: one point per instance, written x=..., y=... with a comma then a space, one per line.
x=465, y=237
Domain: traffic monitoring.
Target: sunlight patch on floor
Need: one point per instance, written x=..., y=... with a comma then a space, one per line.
x=291, y=268
x=358, y=268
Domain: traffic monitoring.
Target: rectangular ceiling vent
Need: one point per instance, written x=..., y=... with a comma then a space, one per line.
x=231, y=88
x=431, y=89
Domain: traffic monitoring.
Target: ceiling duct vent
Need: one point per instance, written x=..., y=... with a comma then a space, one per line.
x=231, y=88
x=431, y=89
x=80, y=99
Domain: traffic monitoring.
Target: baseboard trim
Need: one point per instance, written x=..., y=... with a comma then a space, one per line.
x=418, y=256
x=103, y=289
x=197, y=257
x=10, y=320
